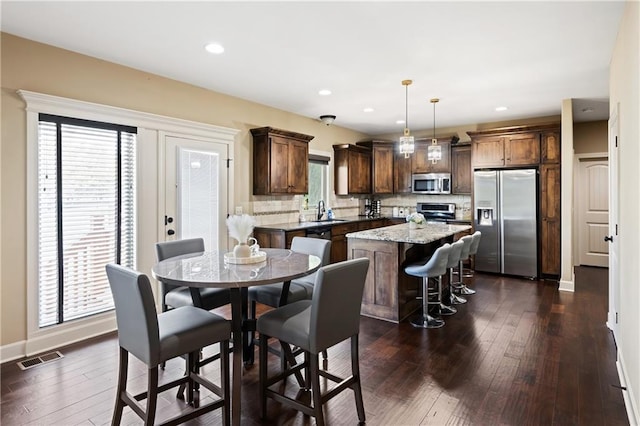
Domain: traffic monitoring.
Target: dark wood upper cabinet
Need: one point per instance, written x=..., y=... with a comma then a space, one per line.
x=550, y=148
x=506, y=151
x=352, y=169
x=280, y=161
x=420, y=163
x=401, y=173
x=461, y=171
x=381, y=165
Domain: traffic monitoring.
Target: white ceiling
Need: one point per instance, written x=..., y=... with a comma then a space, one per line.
x=474, y=56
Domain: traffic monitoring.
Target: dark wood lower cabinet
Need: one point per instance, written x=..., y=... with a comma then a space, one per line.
x=276, y=238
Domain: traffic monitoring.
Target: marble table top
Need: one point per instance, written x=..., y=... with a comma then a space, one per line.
x=209, y=269
x=403, y=233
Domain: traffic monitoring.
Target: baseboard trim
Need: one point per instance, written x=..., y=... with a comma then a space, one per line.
x=567, y=286
x=629, y=396
x=50, y=339
x=12, y=351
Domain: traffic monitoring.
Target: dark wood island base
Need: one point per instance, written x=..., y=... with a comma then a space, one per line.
x=389, y=293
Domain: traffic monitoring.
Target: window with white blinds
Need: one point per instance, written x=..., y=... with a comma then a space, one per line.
x=86, y=214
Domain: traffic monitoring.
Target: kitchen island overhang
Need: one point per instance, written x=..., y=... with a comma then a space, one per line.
x=389, y=293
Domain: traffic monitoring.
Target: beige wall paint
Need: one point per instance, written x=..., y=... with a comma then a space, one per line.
x=624, y=90
x=41, y=68
x=590, y=137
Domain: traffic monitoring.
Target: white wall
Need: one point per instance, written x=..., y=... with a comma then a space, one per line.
x=625, y=92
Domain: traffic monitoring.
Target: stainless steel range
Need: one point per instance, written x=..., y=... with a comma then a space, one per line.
x=437, y=212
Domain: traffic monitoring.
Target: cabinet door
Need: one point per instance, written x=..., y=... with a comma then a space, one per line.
x=359, y=173
x=382, y=168
x=444, y=164
x=338, y=248
x=419, y=162
x=461, y=170
x=278, y=166
x=550, y=147
x=298, y=178
x=401, y=174
x=550, y=214
x=522, y=149
x=488, y=152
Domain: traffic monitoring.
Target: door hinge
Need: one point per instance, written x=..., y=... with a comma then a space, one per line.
x=616, y=317
x=229, y=160
x=616, y=229
x=616, y=141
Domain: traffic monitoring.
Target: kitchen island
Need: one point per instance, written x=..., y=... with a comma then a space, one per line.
x=389, y=293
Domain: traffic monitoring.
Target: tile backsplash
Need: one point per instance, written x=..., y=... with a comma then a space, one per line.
x=269, y=210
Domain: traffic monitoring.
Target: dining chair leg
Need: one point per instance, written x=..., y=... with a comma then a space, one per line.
x=287, y=357
x=355, y=371
x=263, y=375
x=225, y=382
x=316, y=396
x=122, y=387
x=152, y=396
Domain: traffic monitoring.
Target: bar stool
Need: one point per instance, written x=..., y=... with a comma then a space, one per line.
x=454, y=258
x=435, y=267
x=475, y=243
x=459, y=286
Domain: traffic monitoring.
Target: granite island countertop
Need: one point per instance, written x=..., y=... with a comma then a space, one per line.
x=404, y=234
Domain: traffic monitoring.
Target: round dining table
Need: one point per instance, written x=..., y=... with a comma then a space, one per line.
x=217, y=269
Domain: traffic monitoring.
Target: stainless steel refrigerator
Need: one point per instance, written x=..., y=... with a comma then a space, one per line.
x=505, y=212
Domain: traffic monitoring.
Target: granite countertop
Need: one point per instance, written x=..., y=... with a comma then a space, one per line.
x=294, y=226
x=404, y=234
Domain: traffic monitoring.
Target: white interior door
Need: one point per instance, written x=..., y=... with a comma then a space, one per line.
x=614, y=185
x=196, y=190
x=593, y=213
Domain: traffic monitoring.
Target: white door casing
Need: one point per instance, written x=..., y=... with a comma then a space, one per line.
x=614, y=245
x=593, y=211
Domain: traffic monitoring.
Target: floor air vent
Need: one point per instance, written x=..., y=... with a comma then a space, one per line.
x=37, y=360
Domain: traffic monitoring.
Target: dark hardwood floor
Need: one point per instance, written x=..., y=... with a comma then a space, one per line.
x=519, y=353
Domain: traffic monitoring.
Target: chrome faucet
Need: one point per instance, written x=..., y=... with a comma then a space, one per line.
x=320, y=209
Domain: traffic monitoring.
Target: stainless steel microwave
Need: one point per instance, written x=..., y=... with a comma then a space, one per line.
x=431, y=183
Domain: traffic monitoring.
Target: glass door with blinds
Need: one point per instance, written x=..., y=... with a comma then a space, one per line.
x=196, y=190
x=86, y=214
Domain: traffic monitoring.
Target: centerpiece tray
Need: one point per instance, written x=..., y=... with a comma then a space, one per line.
x=256, y=258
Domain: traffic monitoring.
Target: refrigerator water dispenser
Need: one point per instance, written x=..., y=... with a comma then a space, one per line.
x=485, y=216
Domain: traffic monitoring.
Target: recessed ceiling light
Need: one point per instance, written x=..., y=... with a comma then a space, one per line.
x=368, y=109
x=399, y=121
x=501, y=108
x=324, y=92
x=214, y=48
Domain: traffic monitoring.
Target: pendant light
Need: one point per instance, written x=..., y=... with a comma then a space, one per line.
x=434, y=151
x=406, y=141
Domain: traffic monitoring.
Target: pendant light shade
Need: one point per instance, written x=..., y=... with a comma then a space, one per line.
x=407, y=144
x=434, y=151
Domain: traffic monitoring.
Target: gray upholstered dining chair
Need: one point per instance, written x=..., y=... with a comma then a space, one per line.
x=299, y=289
x=154, y=338
x=175, y=296
x=330, y=317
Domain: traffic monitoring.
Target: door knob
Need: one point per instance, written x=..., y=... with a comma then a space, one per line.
x=171, y=232
x=608, y=238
